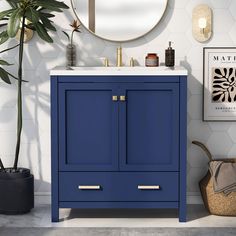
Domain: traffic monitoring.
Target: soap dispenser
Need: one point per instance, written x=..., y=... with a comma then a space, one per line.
x=170, y=56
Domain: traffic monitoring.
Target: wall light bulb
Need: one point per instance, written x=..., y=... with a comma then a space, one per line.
x=202, y=23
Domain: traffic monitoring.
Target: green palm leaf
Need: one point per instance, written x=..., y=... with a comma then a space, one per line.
x=3, y=37
x=5, y=63
x=42, y=32
x=14, y=23
x=32, y=15
x=48, y=5
x=4, y=76
x=13, y=3
x=46, y=14
x=46, y=22
x=6, y=13
x=52, y=4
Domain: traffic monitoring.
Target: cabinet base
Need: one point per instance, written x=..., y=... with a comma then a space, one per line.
x=118, y=205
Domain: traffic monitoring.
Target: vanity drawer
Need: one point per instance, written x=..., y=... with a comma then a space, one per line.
x=118, y=186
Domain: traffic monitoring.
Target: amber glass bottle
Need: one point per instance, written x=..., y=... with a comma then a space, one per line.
x=152, y=60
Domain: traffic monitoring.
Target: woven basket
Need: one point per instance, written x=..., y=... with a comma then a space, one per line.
x=216, y=203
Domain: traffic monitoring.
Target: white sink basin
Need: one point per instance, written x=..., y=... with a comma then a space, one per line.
x=125, y=68
x=137, y=70
x=110, y=68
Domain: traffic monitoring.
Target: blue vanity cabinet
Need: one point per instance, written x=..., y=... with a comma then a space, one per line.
x=118, y=142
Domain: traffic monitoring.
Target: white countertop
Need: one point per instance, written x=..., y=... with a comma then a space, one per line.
x=138, y=70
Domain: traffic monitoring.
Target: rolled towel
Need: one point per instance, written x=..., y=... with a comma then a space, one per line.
x=224, y=176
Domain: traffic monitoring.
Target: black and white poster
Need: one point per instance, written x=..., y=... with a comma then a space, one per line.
x=219, y=95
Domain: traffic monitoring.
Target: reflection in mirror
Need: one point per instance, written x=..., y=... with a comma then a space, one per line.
x=119, y=20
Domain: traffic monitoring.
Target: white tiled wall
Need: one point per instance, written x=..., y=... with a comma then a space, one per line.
x=40, y=57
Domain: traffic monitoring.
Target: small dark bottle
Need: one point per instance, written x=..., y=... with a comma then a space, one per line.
x=170, y=56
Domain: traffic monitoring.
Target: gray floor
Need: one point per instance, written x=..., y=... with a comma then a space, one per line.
x=117, y=231
x=40, y=217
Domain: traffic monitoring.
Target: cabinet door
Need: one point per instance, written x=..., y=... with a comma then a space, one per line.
x=88, y=127
x=149, y=127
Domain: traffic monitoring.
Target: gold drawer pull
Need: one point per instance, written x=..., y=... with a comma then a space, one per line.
x=115, y=98
x=148, y=187
x=122, y=98
x=89, y=187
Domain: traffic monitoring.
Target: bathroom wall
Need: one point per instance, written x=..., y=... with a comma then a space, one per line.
x=40, y=57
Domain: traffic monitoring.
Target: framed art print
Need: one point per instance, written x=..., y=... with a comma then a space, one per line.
x=219, y=84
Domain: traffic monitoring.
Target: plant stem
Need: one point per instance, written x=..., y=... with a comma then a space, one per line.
x=71, y=43
x=71, y=37
x=19, y=96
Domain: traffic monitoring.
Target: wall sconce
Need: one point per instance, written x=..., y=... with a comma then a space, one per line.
x=202, y=23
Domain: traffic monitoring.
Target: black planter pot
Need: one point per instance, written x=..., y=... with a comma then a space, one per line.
x=16, y=191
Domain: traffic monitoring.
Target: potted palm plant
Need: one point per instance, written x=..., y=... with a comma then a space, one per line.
x=16, y=183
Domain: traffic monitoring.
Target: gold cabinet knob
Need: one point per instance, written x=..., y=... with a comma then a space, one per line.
x=114, y=98
x=122, y=98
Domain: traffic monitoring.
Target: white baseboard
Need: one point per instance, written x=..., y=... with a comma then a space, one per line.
x=45, y=198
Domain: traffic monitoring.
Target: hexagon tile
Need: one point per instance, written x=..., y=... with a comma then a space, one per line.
x=219, y=143
x=175, y=26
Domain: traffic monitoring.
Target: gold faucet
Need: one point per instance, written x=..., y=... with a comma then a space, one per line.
x=119, y=57
x=131, y=63
x=106, y=62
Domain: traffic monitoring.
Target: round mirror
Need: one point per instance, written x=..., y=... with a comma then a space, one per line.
x=119, y=20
